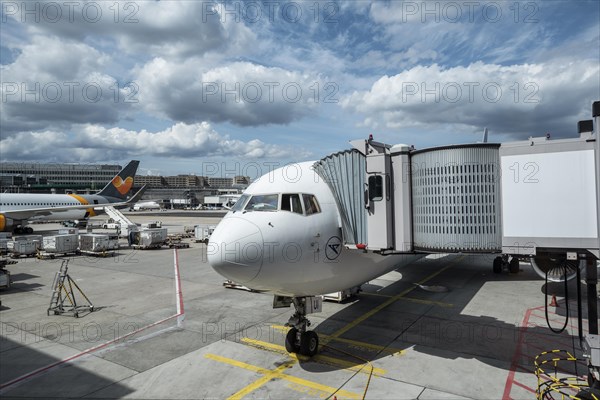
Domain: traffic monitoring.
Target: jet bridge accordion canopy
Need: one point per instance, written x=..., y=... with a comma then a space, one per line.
x=344, y=173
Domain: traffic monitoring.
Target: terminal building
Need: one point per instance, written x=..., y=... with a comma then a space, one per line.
x=187, y=189
x=53, y=177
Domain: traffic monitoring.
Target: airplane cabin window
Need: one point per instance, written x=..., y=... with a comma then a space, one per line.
x=310, y=204
x=291, y=202
x=262, y=202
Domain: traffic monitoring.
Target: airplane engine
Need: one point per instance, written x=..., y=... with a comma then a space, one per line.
x=6, y=224
x=556, y=266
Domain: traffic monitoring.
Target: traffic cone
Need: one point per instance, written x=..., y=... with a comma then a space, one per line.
x=554, y=303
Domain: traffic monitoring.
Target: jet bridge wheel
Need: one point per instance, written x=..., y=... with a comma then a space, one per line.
x=497, y=266
x=513, y=265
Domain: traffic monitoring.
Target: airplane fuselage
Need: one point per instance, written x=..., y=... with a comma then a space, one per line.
x=14, y=202
x=289, y=240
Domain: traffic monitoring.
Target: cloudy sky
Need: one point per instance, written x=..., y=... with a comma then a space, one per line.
x=187, y=86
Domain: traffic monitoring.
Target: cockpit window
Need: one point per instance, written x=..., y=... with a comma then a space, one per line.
x=310, y=204
x=240, y=203
x=291, y=202
x=262, y=202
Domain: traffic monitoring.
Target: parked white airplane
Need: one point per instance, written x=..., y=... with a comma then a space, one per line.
x=146, y=206
x=283, y=236
x=16, y=209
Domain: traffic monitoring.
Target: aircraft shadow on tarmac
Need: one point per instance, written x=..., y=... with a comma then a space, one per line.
x=436, y=324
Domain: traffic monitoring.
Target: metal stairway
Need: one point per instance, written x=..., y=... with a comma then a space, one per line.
x=118, y=216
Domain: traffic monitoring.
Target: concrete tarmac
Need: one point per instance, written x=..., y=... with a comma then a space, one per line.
x=395, y=340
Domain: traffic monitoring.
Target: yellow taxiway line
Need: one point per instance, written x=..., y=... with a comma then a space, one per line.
x=354, y=343
x=412, y=300
x=390, y=301
x=319, y=358
x=277, y=373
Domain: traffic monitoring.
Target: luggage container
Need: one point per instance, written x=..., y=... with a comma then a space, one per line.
x=61, y=244
x=149, y=238
x=4, y=246
x=24, y=245
x=97, y=243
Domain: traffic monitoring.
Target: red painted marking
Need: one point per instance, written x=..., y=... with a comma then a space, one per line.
x=510, y=380
x=88, y=351
x=529, y=340
x=106, y=344
x=179, y=291
x=524, y=387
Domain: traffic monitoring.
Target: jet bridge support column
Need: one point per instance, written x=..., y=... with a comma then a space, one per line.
x=592, y=270
x=592, y=340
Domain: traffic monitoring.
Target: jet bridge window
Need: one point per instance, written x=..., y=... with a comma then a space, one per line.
x=262, y=202
x=291, y=202
x=311, y=205
x=376, y=188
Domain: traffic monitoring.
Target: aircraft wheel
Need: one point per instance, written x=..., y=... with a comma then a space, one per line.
x=309, y=343
x=513, y=266
x=497, y=266
x=290, y=341
x=28, y=230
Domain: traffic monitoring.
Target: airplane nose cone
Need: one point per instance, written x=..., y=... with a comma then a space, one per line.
x=235, y=249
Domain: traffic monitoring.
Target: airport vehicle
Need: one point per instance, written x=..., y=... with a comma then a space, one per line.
x=221, y=201
x=202, y=233
x=16, y=209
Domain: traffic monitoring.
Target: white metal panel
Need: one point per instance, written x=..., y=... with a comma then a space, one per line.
x=403, y=240
x=550, y=195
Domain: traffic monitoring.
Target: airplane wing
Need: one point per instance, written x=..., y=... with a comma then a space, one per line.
x=33, y=212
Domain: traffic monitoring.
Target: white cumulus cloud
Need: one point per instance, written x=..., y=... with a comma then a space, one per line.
x=242, y=93
x=519, y=100
x=94, y=142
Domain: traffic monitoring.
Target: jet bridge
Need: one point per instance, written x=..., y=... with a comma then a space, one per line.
x=537, y=199
x=526, y=198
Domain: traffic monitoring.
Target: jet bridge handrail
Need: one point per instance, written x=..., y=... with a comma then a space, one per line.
x=344, y=173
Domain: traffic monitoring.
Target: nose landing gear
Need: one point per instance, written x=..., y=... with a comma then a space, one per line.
x=299, y=339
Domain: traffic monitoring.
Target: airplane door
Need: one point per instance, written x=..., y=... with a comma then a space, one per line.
x=316, y=247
